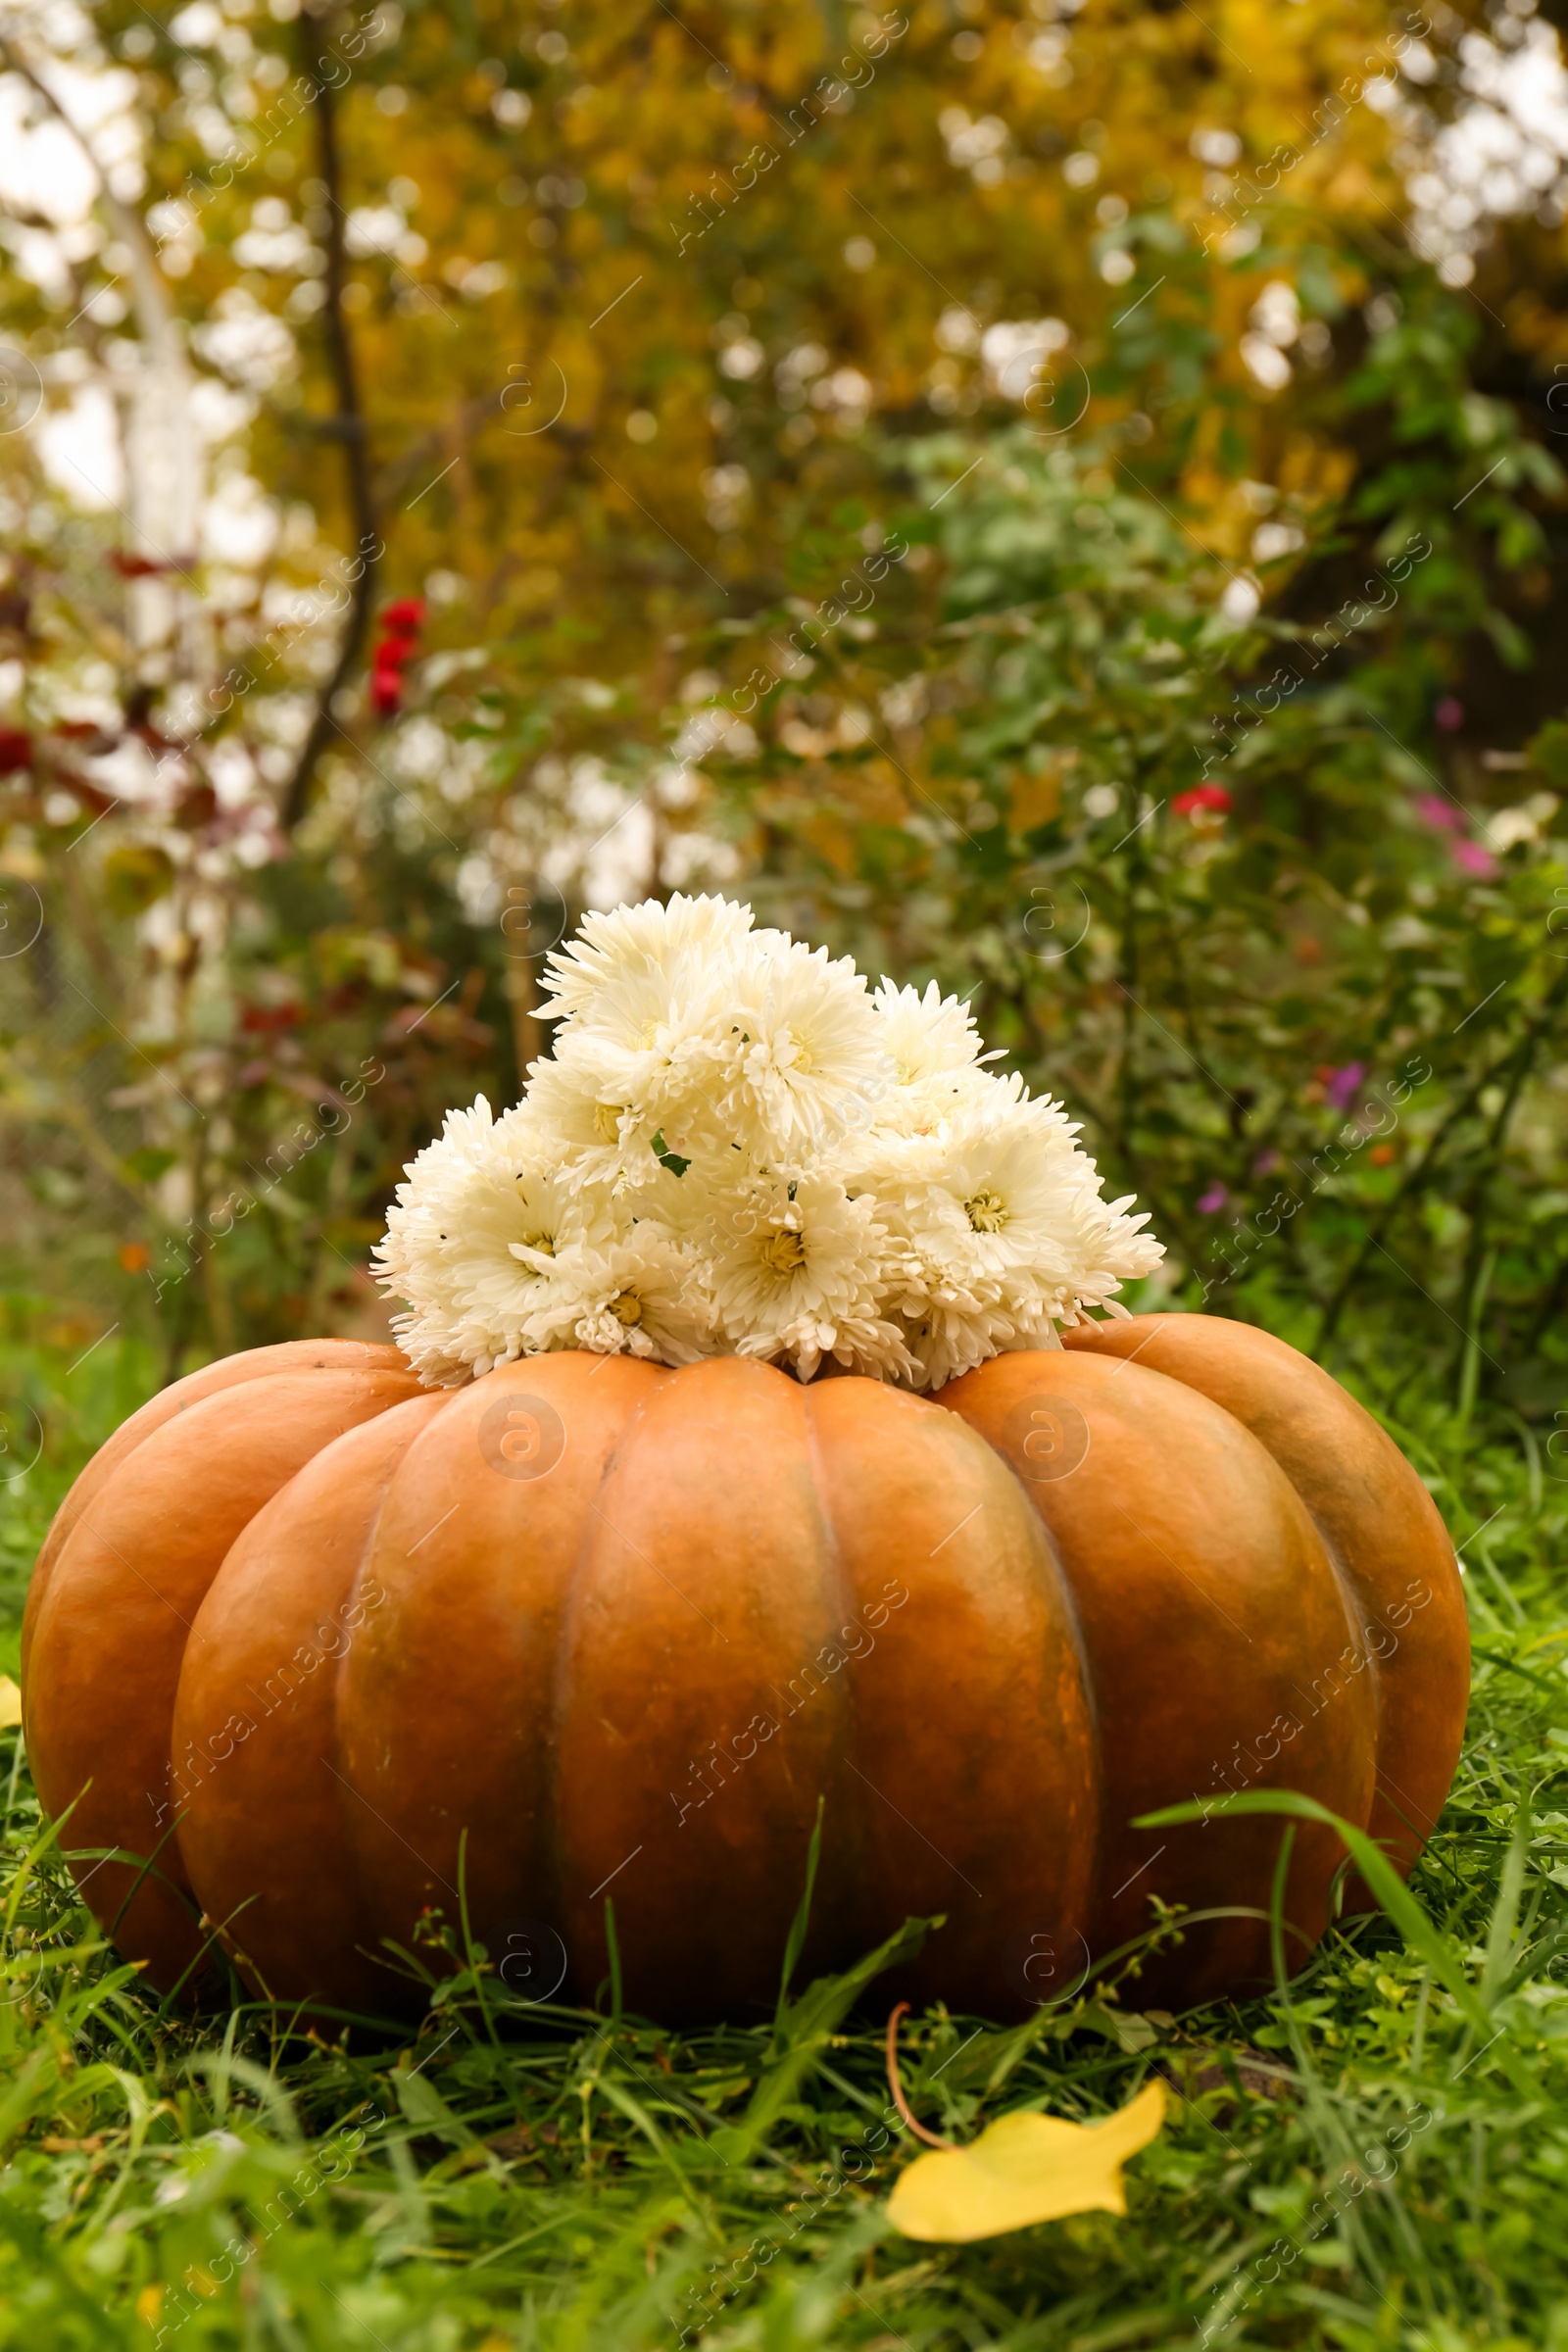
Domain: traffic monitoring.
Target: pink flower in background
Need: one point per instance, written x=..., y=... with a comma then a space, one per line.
x=1450, y=714
x=1266, y=1162
x=1210, y=1203
x=1340, y=1085
x=1447, y=816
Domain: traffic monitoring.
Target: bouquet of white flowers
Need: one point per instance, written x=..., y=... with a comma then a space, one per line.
x=738, y=1149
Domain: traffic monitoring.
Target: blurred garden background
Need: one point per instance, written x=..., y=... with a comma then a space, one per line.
x=1062, y=502
x=1061, y=497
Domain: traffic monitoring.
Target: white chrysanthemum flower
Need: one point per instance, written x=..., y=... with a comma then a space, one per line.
x=736, y=1149
x=950, y=1337
x=928, y=1036
x=644, y=1066
x=934, y=1047
x=634, y=939
x=798, y=1274
x=596, y=1141
x=474, y=1230
x=645, y=1294
x=993, y=1189
x=998, y=1230
x=799, y=1059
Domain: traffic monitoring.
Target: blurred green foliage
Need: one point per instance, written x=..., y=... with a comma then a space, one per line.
x=1311, y=1015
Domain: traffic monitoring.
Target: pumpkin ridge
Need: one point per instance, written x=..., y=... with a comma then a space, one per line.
x=1349, y=1602
x=1074, y=1616
x=1174, y=1453
x=287, y=1576
x=219, y=1473
x=853, y=1859
x=1344, y=1582
x=372, y=1528
x=1342, y=1463
x=566, y=1618
x=1067, y=1598
x=703, y=1587
x=474, y=1548
x=208, y=1380
x=981, y=1804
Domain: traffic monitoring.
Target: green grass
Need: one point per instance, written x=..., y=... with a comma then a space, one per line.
x=1395, y=2171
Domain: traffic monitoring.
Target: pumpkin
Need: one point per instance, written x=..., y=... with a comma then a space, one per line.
x=330, y=1651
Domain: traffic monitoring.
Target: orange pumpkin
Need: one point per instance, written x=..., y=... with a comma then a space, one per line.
x=334, y=1649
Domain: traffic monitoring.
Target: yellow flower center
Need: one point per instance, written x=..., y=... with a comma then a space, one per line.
x=545, y=1243
x=987, y=1212
x=783, y=1251
x=627, y=1308
x=606, y=1122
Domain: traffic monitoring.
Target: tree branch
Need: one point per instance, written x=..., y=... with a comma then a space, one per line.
x=1421, y=1170
x=347, y=425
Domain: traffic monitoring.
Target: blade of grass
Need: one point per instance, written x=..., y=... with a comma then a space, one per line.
x=801, y=1921
x=1391, y=1893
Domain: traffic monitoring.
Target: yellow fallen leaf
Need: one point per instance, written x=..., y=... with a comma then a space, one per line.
x=10, y=1703
x=1024, y=2169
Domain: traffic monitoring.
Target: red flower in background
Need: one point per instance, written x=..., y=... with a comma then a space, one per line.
x=401, y=623
x=1203, y=796
x=15, y=751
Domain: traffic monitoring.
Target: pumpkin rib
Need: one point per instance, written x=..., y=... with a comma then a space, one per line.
x=263, y=1832
x=1166, y=1504
x=386, y=1982
x=701, y=1602
x=1378, y=1523
x=131, y=1581
x=474, y=1549
x=1348, y=1591
x=576, y=1575
x=1069, y=1596
x=852, y=1831
x=984, y=1808
x=577, y=1578
x=381, y=1981
x=227, y=1372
